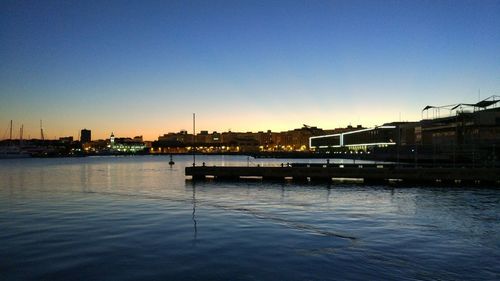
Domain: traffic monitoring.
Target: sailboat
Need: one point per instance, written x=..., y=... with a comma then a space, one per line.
x=13, y=151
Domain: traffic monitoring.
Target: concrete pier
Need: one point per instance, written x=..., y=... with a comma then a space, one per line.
x=369, y=174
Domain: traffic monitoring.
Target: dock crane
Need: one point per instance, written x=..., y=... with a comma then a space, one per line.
x=41, y=131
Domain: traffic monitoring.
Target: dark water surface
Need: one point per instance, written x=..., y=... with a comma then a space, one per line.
x=135, y=218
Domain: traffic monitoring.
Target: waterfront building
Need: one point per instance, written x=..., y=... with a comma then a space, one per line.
x=66, y=140
x=293, y=140
x=469, y=134
x=357, y=140
x=472, y=133
x=129, y=147
x=181, y=137
x=115, y=145
x=85, y=136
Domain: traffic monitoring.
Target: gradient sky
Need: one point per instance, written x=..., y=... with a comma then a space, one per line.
x=143, y=67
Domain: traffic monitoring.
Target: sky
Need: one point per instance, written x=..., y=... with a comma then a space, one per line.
x=143, y=67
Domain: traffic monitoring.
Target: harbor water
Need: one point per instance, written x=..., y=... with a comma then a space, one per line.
x=138, y=218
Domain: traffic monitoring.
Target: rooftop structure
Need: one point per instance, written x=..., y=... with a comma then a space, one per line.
x=453, y=109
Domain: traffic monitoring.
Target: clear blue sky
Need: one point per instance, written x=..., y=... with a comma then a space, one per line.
x=143, y=67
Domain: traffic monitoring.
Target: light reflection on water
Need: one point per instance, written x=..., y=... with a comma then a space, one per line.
x=117, y=218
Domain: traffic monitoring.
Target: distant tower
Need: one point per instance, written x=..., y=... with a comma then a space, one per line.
x=85, y=136
x=112, y=139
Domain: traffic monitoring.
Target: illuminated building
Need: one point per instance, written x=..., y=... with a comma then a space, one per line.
x=470, y=134
x=129, y=147
x=363, y=139
x=115, y=145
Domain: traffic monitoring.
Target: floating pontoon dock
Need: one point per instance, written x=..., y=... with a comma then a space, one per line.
x=367, y=173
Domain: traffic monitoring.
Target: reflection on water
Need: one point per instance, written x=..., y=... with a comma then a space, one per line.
x=138, y=218
x=194, y=212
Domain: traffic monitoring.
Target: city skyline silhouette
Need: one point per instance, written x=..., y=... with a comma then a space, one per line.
x=143, y=68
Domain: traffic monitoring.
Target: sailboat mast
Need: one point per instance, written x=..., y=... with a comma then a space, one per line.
x=41, y=130
x=10, y=136
x=194, y=139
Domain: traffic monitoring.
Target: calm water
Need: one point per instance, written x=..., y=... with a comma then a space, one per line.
x=135, y=218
